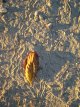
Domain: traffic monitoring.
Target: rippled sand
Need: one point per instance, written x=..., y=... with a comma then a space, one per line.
x=52, y=28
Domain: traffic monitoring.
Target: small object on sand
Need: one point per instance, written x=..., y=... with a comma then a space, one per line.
x=31, y=66
x=2, y=9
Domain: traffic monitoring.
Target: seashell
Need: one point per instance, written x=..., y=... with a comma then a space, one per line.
x=31, y=66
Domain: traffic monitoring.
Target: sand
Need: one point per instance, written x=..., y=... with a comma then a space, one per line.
x=52, y=28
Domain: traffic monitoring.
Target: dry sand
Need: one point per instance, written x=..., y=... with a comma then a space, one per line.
x=52, y=28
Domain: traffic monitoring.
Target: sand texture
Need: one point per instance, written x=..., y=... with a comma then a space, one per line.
x=52, y=28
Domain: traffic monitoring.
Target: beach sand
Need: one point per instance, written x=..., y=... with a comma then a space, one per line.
x=52, y=28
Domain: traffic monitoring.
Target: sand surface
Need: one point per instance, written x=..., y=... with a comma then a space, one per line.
x=52, y=28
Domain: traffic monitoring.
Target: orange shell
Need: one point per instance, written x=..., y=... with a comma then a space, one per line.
x=31, y=66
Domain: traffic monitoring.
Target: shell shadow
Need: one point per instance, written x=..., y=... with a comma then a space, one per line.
x=51, y=62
